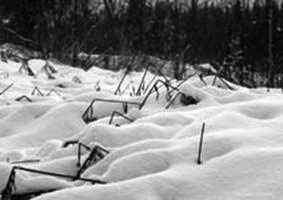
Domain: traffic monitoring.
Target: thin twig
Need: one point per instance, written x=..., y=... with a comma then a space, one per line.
x=25, y=161
x=154, y=87
x=22, y=98
x=142, y=82
x=120, y=114
x=80, y=145
x=118, y=89
x=183, y=81
x=36, y=89
x=95, y=155
x=70, y=142
x=172, y=100
x=58, y=175
x=214, y=80
x=202, y=80
x=199, y=161
x=7, y=88
x=149, y=84
x=88, y=114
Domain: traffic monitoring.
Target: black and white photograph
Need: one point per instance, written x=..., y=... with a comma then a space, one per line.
x=141, y=99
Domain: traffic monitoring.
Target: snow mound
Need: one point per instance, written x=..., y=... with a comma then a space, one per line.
x=143, y=146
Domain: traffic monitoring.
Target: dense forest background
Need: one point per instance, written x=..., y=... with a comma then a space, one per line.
x=244, y=35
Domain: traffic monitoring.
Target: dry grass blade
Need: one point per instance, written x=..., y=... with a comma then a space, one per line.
x=199, y=161
x=121, y=115
x=7, y=88
x=24, y=97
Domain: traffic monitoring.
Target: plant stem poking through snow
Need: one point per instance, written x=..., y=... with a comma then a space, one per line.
x=80, y=145
x=154, y=88
x=53, y=91
x=24, y=97
x=88, y=114
x=172, y=100
x=122, y=80
x=200, y=144
x=25, y=161
x=222, y=80
x=37, y=91
x=25, y=68
x=202, y=80
x=97, y=86
x=142, y=82
x=214, y=80
x=68, y=143
x=157, y=92
x=7, y=193
x=182, y=82
x=7, y=88
x=149, y=84
x=121, y=115
x=97, y=154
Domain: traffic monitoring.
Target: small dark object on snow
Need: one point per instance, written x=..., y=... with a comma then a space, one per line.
x=97, y=86
x=88, y=120
x=188, y=100
x=60, y=85
x=98, y=89
x=77, y=80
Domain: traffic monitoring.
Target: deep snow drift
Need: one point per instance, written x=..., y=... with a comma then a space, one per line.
x=153, y=154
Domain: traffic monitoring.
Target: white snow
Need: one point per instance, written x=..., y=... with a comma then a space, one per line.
x=153, y=157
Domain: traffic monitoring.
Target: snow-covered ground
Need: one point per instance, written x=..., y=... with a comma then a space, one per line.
x=152, y=158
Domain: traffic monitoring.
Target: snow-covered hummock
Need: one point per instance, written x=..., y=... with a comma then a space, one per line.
x=152, y=158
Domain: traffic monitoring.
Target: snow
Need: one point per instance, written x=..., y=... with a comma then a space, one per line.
x=153, y=157
x=5, y=170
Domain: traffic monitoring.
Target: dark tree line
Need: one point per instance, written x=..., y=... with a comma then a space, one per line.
x=233, y=34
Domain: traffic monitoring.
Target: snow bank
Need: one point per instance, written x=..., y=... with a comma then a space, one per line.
x=153, y=155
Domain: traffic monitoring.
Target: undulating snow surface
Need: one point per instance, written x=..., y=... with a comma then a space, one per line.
x=152, y=158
